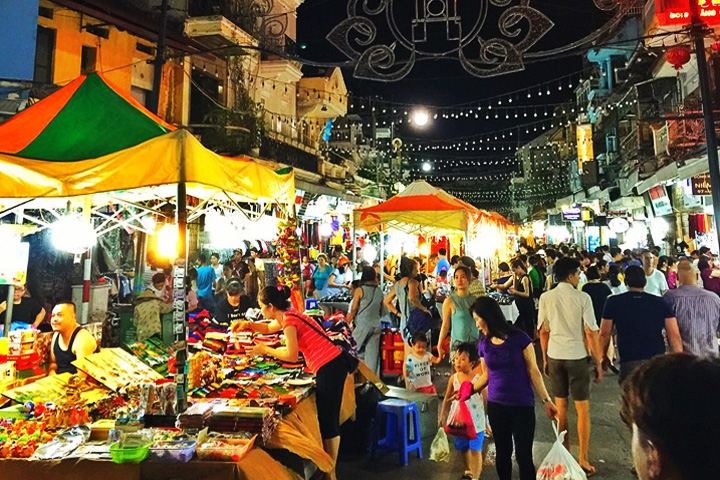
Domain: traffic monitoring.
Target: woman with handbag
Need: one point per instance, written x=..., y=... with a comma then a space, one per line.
x=407, y=292
x=364, y=318
x=323, y=358
x=456, y=317
x=524, y=301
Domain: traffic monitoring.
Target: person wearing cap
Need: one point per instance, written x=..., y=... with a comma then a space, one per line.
x=235, y=304
x=239, y=267
x=336, y=281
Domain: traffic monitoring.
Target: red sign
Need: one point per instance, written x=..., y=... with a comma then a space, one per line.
x=677, y=12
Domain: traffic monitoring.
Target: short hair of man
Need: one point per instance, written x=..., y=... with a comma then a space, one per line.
x=442, y=251
x=565, y=267
x=635, y=277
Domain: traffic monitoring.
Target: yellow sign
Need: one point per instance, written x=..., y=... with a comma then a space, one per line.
x=584, y=145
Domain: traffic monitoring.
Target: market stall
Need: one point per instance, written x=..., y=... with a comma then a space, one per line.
x=90, y=139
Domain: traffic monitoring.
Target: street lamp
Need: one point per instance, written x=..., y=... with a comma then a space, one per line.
x=426, y=167
x=421, y=118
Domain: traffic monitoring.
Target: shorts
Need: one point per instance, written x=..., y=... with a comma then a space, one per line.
x=463, y=444
x=428, y=389
x=570, y=378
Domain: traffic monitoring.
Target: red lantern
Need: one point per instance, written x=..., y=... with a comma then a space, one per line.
x=678, y=56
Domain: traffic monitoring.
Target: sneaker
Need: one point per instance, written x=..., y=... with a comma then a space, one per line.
x=467, y=476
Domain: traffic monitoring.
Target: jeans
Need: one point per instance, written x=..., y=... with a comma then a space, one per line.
x=510, y=424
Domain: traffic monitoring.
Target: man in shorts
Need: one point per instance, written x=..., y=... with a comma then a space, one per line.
x=567, y=326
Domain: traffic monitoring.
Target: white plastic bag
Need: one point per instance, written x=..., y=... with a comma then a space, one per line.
x=440, y=447
x=559, y=464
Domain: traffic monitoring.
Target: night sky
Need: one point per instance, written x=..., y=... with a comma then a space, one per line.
x=443, y=82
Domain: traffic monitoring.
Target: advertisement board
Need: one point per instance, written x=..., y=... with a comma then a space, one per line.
x=660, y=201
x=584, y=145
x=677, y=12
x=701, y=184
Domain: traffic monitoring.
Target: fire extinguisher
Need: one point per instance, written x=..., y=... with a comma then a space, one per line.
x=399, y=353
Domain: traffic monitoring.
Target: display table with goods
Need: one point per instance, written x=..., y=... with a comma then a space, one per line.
x=507, y=305
x=116, y=418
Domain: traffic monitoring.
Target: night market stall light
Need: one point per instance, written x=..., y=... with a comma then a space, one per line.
x=73, y=235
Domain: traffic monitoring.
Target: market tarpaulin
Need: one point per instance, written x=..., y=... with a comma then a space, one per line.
x=90, y=137
x=422, y=207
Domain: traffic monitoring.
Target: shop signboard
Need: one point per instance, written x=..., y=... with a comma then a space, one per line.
x=584, y=145
x=660, y=201
x=619, y=225
x=13, y=263
x=571, y=214
x=677, y=12
x=701, y=184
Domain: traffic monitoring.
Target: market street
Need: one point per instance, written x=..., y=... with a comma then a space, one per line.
x=609, y=447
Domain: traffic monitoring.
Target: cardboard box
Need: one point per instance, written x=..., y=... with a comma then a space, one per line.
x=428, y=407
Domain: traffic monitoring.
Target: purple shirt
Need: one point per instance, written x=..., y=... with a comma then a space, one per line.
x=509, y=382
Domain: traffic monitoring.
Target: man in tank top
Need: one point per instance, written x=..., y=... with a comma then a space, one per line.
x=70, y=341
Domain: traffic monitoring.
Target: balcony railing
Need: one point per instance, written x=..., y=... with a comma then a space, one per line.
x=283, y=44
x=241, y=12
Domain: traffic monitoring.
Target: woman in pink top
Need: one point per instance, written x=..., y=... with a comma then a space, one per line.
x=323, y=358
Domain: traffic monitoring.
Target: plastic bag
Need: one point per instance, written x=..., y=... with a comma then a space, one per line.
x=440, y=447
x=460, y=422
x=559, y=464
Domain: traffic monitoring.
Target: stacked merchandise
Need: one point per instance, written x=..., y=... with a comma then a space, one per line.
x=196, y=417
x=255, y=420
x=152, y=352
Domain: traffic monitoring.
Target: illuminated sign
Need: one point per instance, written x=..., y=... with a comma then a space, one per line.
x=572, y=214
x=677, y=12
x=584, y=145
x=619, y=225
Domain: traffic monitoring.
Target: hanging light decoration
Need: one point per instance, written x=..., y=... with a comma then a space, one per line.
x=72, y=234
x=678, y=57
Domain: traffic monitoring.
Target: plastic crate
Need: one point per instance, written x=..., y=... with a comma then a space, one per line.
x=225, y=450
x=128, y=455
x=180, y=451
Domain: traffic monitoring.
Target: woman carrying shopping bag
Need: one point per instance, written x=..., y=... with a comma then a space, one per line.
x=510, y=372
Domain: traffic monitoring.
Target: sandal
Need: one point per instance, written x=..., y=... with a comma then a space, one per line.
x=467, y=476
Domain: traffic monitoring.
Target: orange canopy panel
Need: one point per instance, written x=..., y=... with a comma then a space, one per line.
x=422, y=207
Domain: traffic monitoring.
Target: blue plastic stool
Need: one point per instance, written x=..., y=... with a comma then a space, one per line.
x=311, y=304
x=397, y=433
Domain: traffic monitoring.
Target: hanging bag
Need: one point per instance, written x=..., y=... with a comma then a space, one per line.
x=440, y=447
x=418, y=320
x=342, y=339
x=459, y=421
x=559, y=464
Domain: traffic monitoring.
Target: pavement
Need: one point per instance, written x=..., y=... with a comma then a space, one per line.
x=609, y=444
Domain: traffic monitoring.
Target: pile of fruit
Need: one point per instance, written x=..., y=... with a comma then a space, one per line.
x=20, y=438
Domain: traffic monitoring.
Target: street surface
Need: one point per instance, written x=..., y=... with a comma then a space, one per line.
x=609, y=445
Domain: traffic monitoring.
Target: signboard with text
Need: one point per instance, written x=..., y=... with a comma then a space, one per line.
x=677, y=12
x=13, y=263
x=660, y=201
x=584, y=145
x=700, y=185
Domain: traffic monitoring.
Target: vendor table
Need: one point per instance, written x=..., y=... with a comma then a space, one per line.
x=299, y=433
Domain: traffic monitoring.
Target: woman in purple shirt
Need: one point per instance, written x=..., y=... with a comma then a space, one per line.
x=509, y=371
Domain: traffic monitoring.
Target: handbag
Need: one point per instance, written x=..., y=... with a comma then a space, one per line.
x=342, y=339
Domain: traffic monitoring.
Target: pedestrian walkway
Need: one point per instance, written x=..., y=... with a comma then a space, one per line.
x=609, y=447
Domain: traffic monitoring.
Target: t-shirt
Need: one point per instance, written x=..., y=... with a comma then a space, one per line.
x=709, y=282
x=598, y=292
x=321, y=276
x=567, y=312
x=26, y=311
x=315, y=346
x=442, y=264
x=509, y=382
x=639, y=318
x=225, y=313
x=656, y=283
x=418, y=370
x=206, y=275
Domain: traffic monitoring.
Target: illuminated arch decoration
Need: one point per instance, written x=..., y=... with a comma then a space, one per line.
x=384, y=39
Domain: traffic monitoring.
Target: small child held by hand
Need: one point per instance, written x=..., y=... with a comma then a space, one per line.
x=417, y=372
x=464, y=361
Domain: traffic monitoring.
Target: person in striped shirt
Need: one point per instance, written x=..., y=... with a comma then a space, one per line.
x=325, y=360
x=697, y=311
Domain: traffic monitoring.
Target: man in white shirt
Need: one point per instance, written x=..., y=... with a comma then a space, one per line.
x=566, y=322
x=656, y=281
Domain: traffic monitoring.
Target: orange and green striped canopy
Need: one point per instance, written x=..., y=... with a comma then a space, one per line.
x=88, y=118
